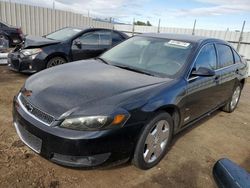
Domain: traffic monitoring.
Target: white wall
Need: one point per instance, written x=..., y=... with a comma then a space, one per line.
x=40, y=21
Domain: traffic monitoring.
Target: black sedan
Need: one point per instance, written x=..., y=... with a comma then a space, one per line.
x=129, y=102
x=62, y=46
x=12, y=34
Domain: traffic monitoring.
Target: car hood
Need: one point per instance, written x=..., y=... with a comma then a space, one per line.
x=62, y=88
x=33, y=41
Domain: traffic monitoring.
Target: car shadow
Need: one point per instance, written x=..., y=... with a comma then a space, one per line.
x=193, y=126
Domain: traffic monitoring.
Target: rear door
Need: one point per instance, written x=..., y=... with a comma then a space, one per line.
x=227, y=72
x=202, y=91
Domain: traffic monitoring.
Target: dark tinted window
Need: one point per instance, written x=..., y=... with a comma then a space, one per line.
x=206, y=58
x=116, y=38
x=237, y=58
x=225, y=55
x=90, y=39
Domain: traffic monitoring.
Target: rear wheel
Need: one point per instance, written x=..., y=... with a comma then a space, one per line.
x=234, y=100
x=154, y=141
x=56, y=61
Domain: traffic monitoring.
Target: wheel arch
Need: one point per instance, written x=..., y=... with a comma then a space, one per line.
x=243, y=81
x=57, y=54
x=174, y=112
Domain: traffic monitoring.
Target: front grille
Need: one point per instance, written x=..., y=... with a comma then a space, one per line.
x=37, y=113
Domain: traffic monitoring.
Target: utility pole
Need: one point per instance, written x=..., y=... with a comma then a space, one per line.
x=159, y=25
x=133, y=28
x=53, y=4
x=241, y=34
x=193, y=32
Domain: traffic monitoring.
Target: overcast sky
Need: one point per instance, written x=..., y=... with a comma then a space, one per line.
x=210, y=14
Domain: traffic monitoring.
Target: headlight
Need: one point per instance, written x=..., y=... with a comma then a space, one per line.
x=29, y=52
x=95, y=122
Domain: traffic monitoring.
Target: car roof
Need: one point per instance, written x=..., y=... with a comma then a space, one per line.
x=182, y=37
x=96, y=29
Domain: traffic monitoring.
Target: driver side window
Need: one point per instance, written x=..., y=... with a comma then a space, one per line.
x=206, y=58
x=89, y=39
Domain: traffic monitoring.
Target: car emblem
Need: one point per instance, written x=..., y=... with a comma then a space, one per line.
x=29, y=107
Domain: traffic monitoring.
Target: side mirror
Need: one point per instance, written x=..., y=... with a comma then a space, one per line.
x=203, y=71
x=78, y=43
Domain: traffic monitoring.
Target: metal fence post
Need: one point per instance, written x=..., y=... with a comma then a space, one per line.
x=159, y=25
x=193, y=32
x=133, y=28
x=241, y=34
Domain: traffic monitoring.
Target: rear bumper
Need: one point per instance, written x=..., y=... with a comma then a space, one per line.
x=76, y=148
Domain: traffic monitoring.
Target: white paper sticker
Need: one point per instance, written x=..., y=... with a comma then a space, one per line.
x=179, y=43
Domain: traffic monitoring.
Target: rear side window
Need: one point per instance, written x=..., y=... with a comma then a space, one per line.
x=206, y=58
x=237, y=58
x=225, y=55
x=105, y=38
x=116, y=38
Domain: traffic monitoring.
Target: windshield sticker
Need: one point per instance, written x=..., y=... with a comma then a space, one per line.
x=179, y=43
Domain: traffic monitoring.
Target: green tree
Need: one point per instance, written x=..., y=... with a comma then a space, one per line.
x=143, y=23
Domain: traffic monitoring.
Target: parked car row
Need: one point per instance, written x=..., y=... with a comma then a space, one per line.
x=125, y=105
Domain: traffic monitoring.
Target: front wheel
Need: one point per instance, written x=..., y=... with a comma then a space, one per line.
x=154, y=141
x=234, y=100
x=56, y=61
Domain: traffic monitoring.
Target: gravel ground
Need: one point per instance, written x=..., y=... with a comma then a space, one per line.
x=188, y=164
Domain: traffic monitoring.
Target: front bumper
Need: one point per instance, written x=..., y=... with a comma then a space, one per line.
x=76, y=148
x=25, y=64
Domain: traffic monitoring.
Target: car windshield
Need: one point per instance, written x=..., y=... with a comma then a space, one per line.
x=63, y=34
x=155, y=56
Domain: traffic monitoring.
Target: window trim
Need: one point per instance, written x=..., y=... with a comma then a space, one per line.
x=193, y=63
x=235, y=52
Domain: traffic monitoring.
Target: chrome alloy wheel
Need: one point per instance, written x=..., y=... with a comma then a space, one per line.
x=56, y=61
x=235, y=97
x=156, y=141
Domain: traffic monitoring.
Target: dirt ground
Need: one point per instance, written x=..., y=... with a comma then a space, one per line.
x=188, y=164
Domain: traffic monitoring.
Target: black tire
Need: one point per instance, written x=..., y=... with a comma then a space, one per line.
x=228, y=106
x=139, y=158
x=55, y=61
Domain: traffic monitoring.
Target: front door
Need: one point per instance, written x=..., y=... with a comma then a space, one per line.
x=91, y=44
x=202, y=92
x=85, y=46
